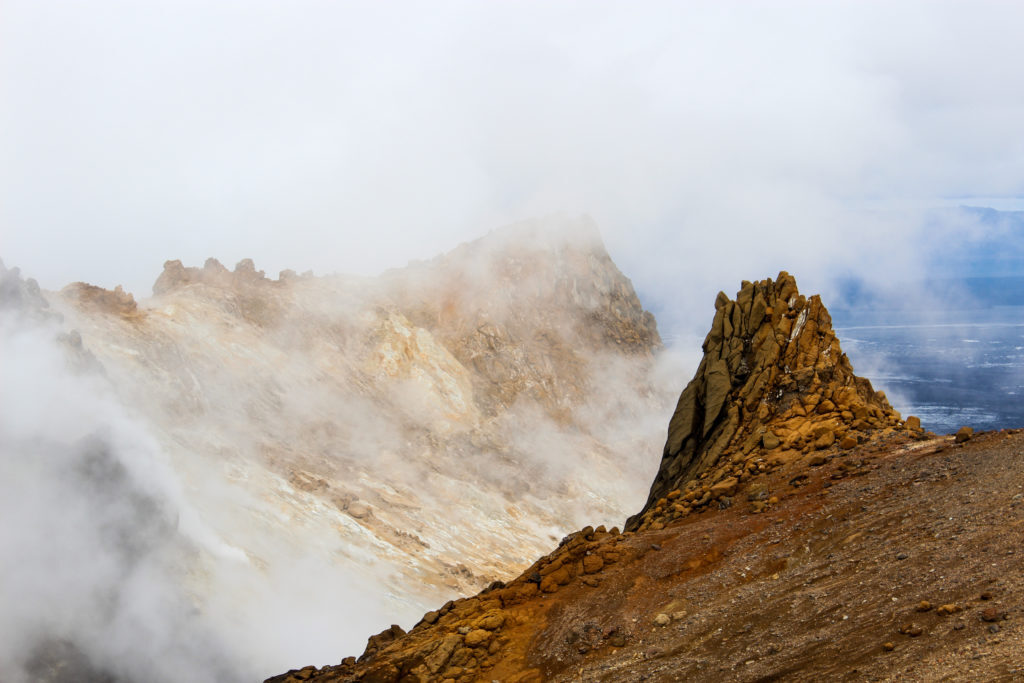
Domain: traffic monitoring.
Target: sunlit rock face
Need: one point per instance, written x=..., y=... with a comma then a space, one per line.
x=384, y=444
x=773, y=387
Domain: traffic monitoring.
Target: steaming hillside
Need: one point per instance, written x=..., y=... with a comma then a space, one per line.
x=341, y=451
x=798, y=529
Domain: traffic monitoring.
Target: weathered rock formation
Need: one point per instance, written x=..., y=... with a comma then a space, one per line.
x=213, y=273
x=115, y=301
x=22, y=296
x=773, y=397
x=773, y=387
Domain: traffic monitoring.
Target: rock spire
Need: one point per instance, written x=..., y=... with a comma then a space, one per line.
x=773, y=387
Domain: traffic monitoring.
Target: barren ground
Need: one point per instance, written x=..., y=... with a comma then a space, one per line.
x=829, y=583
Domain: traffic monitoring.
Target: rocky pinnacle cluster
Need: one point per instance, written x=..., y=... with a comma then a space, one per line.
x=772, y=388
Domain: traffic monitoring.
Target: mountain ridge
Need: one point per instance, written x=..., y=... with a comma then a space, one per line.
x=573, y=615
x=362, y=435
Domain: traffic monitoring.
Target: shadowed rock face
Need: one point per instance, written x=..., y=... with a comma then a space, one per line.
x=773, y=386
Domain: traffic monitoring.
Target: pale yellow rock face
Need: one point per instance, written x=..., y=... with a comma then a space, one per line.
x=430, y=430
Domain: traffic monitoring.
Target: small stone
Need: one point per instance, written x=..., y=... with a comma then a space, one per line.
x=548, y=585
x=769, y=441
x=987, y=595
x=358, y=510
x=816, y=460
x=655, y=546
x=964, y=434
x=757, y=491
x=592, y=564
x=889, y=647
x=914, y=423
x=463, y=630
x=924, y=606
x=902, y=556
x=993, y=628
x=477, y=637
x=726, y=487
x=848, y=442
x=950, y=608
x=491, y=621
x=663, y=620
x=824, y=441
x=990, y=614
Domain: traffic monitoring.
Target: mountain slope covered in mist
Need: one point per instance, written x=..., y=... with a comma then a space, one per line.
x=798, y=529
x=340, y=450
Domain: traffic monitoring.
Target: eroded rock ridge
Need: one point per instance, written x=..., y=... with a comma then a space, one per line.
x=773, y=386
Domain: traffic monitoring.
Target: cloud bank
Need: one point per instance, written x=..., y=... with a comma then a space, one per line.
x=711, y=141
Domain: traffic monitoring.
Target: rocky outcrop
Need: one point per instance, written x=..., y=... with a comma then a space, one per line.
x=529, y=308
x=114, y=302
x=23, y=296
x=214, y=274
x=773, y=386
x=245, y=291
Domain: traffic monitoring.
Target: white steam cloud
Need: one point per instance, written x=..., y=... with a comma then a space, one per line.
x=108, y=571
x=711, y=141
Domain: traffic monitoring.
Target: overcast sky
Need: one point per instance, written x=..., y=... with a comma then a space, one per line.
x=710, y=141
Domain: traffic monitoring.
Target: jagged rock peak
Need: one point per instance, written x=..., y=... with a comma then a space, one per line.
x=114, y=301
x=773, y=386
x=213, y=273
x=23, y=295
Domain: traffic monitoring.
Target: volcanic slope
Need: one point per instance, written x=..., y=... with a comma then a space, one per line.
x=417, y=434
x=797, y=529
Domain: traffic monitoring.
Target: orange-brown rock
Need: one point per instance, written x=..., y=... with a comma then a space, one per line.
x=773, y=374
x=116, y=301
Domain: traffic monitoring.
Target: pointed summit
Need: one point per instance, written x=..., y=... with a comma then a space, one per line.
x=773, y=387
